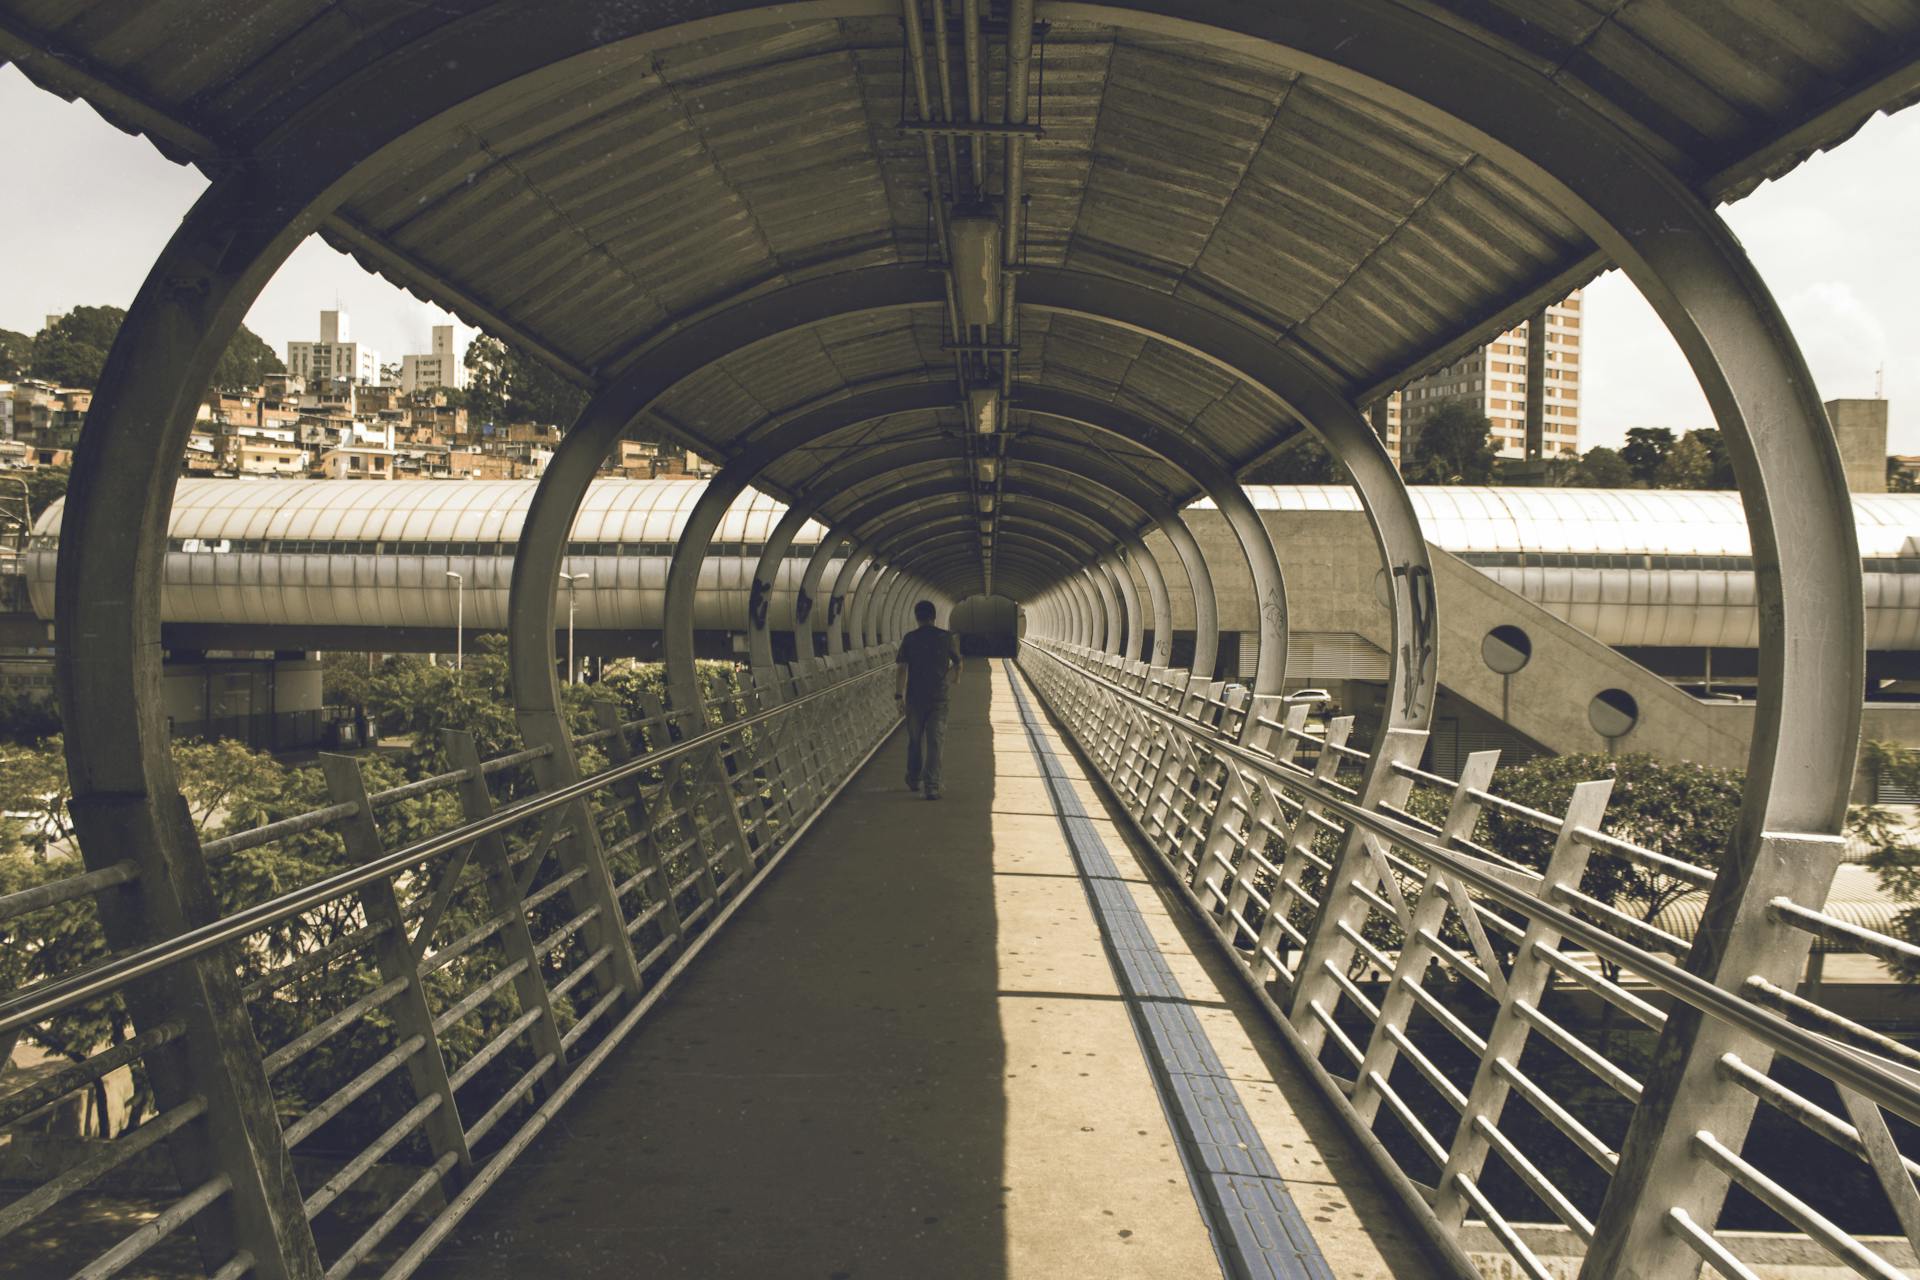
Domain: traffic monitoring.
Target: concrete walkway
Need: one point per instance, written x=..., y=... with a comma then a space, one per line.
x=917, y=1053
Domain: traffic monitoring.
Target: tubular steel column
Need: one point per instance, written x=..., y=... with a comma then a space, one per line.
x=1086, y=627
x=766, y=581
x=810, y=608
x=845, y=587
x=1112, y=621
x=1206, y=606
x=1115, y=567
x=1110, y=609
x=1136, y=553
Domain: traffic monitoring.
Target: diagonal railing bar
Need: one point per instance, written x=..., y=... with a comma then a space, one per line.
x=1349, y=913
x=31, y=1004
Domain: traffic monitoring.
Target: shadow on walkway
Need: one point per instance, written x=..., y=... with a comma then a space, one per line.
x=821, y=1094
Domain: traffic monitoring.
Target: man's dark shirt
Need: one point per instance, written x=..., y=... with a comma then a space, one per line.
x=926, y=653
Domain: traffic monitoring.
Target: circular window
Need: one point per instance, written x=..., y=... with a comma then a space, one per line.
x=1506, y=649
x=1613, y=713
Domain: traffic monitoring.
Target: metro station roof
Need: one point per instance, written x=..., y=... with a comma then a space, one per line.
x=1476, y=518
x=585, y=179
x=442, y=511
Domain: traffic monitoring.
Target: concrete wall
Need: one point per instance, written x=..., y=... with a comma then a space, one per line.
x=1861, y=426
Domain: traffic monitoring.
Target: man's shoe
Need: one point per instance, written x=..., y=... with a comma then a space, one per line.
x=933, y=795
x=913, y=784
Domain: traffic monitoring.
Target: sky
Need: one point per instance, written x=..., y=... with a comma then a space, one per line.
x=1837, y=240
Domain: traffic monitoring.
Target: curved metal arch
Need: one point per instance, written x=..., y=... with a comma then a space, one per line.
x=1056, y=458
x=1114, y=565
x=564, y=483
x=926, y=532
x=1113, y=618
x=1674, y=248
x=935, y=495
x=1467, y=87
x=810, y=608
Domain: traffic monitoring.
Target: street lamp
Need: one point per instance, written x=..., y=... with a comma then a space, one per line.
x=573, y=672
x=26, y=506
x=459, y=621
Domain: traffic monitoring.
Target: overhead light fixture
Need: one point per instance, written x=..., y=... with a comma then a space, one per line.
x=973, y=241
x=983, y=409
x=986, y=526
x=987, y=467
x=986, y=501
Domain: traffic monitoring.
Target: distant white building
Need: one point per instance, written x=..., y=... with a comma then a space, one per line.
x=334, y=355
x=441, y=367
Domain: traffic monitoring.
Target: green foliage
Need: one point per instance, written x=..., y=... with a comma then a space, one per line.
x=1684, y=810
x=1647, y=448
x=1697, y=460
x=1602, y=468
x=507, y=385
x=245, y=362
x=1894, y=858
x=26, y=720
x=1719, y=462
x=346, y=679
x=73, y=349
x=16, y=355
x=1686, y=466
x=1306, y=462
x=1453, y=447
x=46, y=486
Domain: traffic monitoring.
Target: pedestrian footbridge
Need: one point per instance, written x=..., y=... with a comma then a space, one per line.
x=1181, y=977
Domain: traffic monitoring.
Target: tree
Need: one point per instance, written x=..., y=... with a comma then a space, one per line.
x=1452, y=447
x=1684, y=810
x=1687, y=465
x=73, y=349
x=245, y=363
x=1895, y=859
x=506, y=385
x=16, y=355
x=1304, y=462
x=1646, y=449
x=1602, y=468
x=1720, y=469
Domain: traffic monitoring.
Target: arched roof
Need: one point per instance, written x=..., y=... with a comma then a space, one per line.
x=585, y=178
x=616, y=510
x=1472, y=518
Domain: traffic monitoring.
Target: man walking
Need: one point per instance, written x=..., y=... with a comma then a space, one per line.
x=927, y=667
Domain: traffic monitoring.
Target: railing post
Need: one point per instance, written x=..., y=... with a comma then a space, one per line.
x=216, y=1061
x=1342, y=908
x=1226, y=826
x=395, y=955
x=641, y=827
x=1525, y=984
x=680, y=799
x=581, y=848
x=1299, y=847
x=1684, y=1092
x=1426, y=918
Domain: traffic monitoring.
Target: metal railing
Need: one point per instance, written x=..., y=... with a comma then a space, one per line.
x=1430, y=981
x=420, y=1009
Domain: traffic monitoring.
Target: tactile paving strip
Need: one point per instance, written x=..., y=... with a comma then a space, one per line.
x=1256, y=1227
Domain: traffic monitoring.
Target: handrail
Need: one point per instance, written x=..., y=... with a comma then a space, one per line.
x=32, y=1004
x=1867, y=1075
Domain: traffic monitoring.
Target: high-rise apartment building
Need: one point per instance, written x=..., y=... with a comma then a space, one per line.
x=1493, y=380
x=441, y=367
x=334, y=355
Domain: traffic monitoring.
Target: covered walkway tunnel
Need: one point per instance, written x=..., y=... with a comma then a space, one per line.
x=985, y=293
